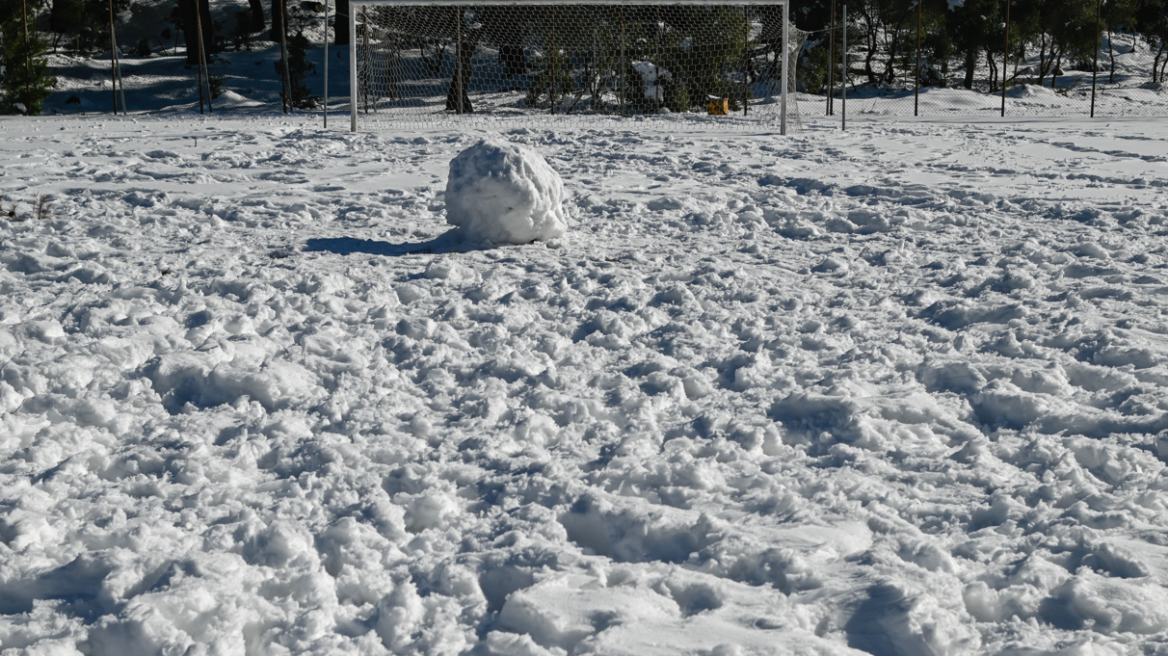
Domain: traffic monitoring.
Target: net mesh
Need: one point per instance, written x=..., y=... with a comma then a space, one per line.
x=571, y=64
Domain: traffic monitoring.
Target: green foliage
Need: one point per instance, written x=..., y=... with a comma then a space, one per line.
x=635, y=98
x=73, y=16
x=86, y=21
x=1152, y=20
x=241, y=34
x=1071, y=24
x=699, y=49
x=26, y=80
x=550, y=67
x=811, y=74
x=677, y=96
x=700, y=46
x=298, y=71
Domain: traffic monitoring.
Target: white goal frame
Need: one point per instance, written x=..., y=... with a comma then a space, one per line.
x=354, y=4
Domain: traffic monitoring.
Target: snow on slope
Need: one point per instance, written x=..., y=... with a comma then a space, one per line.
x=898, y=391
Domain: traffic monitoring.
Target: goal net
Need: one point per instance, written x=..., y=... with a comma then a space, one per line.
x=438, y=63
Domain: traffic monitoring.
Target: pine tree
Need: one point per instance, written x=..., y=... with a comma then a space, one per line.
x=298, y=71
x=1152, y=16
x=26, y=79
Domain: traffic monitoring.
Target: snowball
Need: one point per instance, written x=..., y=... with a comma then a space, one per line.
x=504, y=193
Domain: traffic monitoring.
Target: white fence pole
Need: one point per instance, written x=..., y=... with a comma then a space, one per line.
x=326, y=53
x=784, y=73
x=844, y=97
x=352, y=67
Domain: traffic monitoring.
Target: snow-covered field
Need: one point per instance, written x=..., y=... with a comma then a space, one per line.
x=901, y=390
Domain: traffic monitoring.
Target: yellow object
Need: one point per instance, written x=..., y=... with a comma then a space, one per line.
x=719, y=107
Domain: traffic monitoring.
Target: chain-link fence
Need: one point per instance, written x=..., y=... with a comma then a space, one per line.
x=245, y=62
x=1126, y=80
x=251, y=66
x=572, y=64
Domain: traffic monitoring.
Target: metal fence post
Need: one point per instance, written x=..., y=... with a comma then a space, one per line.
x=326, y=62
x=28, y=61
x=831, y=63
x=284, y=52
x=745, y=60
x=624, y=73
x=657, y=65
x=205, y=75
x=458, y=58
x=783, y=68
x=352, y=67
x=113, y=60
x=1095, y=65
x=917, y=91
x=1006, y=59
x=365, y=65
x=844, y=96
x=555, y=58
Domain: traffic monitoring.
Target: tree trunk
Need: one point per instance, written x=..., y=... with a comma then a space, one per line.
x=1043, y=65
x=873, y=43
x=1157, y=72
x=970, y=65
x=191, y=29
x=1111, y=52
x=993, y=70
x=466, y=54
x=277, y=31
x=893, y=50
x=341, y=33
x=257, y=15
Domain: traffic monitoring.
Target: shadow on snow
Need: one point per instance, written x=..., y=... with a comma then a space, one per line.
x=447, y=242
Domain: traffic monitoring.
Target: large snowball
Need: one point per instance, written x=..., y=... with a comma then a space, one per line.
x=505, y=194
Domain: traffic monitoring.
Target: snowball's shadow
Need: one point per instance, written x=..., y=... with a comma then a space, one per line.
x=447, y=242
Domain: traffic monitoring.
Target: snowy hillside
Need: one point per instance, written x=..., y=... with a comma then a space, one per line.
x=900, y=390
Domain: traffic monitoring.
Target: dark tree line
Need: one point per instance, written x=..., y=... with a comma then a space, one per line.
x=30, y=28
x=1058, y=33
x=968, y=35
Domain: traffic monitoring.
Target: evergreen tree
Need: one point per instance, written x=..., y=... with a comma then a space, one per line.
x=1152, y=20
x=298, y=71
x=973, y=27
x=87, y=21
x=26, y=80
x=698, y=44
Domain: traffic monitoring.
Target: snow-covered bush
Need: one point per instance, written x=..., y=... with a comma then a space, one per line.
x=503, y=193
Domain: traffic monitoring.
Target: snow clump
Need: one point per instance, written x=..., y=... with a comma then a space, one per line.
x=504, y=193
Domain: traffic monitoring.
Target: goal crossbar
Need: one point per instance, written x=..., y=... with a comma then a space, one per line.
x=784, y=4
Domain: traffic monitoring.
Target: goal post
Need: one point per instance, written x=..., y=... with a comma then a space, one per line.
x=498, y=62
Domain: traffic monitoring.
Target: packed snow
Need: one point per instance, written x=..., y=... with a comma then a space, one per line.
x=896, y=390
x=504, y=193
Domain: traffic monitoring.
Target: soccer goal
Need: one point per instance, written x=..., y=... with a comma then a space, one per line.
x=437, y=63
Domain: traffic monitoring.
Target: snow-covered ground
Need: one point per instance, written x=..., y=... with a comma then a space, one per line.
x=901, y=390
